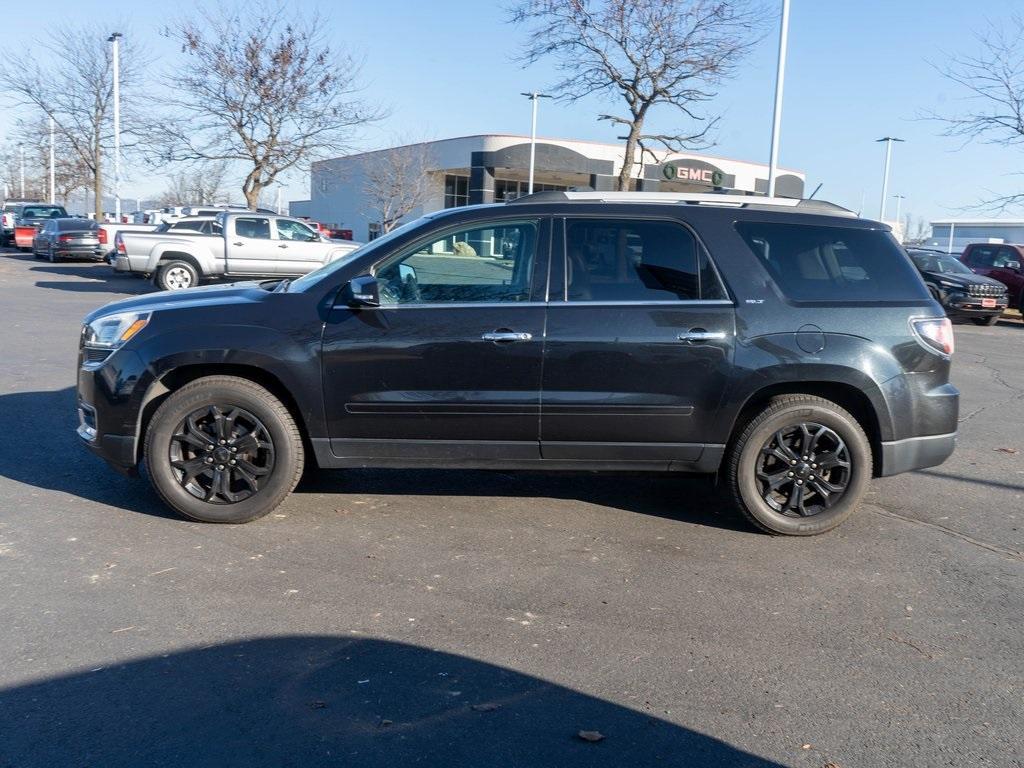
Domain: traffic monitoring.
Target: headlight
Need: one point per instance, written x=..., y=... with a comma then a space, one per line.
x=111, y=331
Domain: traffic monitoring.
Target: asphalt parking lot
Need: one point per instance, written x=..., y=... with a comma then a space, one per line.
x=485, y=619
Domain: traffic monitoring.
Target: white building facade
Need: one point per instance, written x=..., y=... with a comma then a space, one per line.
x=495, y=168
x=953, y=235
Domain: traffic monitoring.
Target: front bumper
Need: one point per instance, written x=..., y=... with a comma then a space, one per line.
x=916, y=453
x=961, y=305
x=109, y=402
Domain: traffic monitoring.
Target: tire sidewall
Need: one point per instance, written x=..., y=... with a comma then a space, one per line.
x=158, y=466
x=860, y=473
x=170, y=265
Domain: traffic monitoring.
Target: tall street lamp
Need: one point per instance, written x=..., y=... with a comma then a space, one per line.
x=885, y=173
x=21, y=151
x=114, y=39
x=780, y=78
x=53, y=185
x=899, y=203
x=533, y=96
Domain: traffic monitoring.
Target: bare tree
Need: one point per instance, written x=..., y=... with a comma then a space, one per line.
x=70, y=172
x=258, y=88
x=10, y=172
x=648, y=52
x=203, y=183
x=992, y=80
x=396, y=183
x=76, y=90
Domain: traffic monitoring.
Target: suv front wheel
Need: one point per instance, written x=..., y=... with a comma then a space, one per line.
x=800, y=466
x=223, y=449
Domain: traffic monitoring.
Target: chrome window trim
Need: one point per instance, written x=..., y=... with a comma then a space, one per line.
x=469, y=304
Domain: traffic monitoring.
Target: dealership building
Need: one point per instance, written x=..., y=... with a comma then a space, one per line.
x=495, y=168
x=953, y=235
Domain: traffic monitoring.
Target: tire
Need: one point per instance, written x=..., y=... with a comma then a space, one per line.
x=782, y=416
x=251, y=408
x=992, y=320
x=176, y=275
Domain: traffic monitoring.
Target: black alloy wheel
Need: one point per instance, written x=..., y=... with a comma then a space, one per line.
x=221, y=454
x=803, y=470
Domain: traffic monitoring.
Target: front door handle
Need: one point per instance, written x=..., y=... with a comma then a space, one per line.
x=282, y=246
x=699, y=335
x=238, y=243
x=506, y=336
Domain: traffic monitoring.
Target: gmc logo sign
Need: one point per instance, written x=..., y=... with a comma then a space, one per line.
x=674, y=172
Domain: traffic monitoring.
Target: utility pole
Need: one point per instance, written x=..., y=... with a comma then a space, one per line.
x=885, y=173
x=53, y=173
x=780, y=79
x=533, y=96
x=21, y=151
x=115, y=38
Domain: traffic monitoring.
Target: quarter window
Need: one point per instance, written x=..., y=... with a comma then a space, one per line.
x=835, y=264
x=609, y=260
x=488, y=263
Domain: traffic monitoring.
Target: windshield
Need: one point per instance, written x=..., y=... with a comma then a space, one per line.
x=316, y=275
x=43, y=212
x=939, y=262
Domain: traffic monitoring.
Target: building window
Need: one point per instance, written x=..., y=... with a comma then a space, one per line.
x=456, y=191
x=506, y=189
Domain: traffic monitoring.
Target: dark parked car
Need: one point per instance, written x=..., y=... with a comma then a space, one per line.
x=68, y=238
x=785, y=345
x=1000, y=262
x=962, y=293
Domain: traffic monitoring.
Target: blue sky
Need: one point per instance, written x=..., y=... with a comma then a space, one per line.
x=857, y=70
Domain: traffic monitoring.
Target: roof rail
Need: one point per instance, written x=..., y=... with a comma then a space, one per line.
x=689, y=198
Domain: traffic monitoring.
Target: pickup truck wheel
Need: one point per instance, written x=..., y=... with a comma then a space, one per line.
x=799, y=467
x=222, y=449
x=990, y=320
x=176, y=275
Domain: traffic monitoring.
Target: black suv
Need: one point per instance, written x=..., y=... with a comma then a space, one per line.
x=962, y=293
x=785, y=345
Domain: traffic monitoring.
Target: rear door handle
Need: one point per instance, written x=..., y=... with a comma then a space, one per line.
x=698, y=335
x=282, y=246
x=506, y=336
x=238, y=243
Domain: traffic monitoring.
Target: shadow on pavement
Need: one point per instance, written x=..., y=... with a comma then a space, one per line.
x=95, y=278
x=308, y=701
x=58, y=461
x=972, y=480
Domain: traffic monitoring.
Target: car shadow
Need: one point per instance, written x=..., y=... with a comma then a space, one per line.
x=59, y=461
x=93, y=277
x=318, y=700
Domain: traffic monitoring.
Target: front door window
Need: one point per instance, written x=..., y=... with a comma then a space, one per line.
x=483, y=264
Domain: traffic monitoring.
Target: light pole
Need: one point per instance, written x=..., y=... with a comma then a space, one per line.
x=780, y=79
x=53, y=185
x=115, y=38
x=885, y=173
x=899, y=204
x=21, y=151
x=533, y=96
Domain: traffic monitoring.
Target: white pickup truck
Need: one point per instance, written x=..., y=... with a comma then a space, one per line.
x=249, y=244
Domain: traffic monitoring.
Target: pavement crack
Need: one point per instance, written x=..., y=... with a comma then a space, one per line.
x=997, y=376
x=1006, y=551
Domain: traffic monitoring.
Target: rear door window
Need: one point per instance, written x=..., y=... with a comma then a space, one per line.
x=834, y=264
x=611, y=260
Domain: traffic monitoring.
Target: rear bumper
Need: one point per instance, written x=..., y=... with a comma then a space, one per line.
x=90, y=251
x=916, y=453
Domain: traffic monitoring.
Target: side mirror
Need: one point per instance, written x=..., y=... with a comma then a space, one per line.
x=1013, y=265
x=361, y=291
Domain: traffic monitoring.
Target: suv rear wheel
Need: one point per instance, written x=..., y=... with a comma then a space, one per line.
x=223, y=449
x=800, y=466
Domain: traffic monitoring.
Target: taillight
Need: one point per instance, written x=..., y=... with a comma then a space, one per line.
x=102, y=235
x=936, y=333
x=65, y=238
x=119, y=244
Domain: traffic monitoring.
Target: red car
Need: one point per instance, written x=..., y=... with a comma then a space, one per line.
x=1001, y=262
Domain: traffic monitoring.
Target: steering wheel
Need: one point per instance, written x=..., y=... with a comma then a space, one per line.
x=394, y=290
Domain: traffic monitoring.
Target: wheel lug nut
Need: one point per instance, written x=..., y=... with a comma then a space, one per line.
x=799, y=482
x=209, y=460
x=209, y=447
x=790, y=474
x=220, y=466
x=222, y=442
x=814, y=466
x=804, y=458
x=793, y=462
x=233, y=449
x=231, y=462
